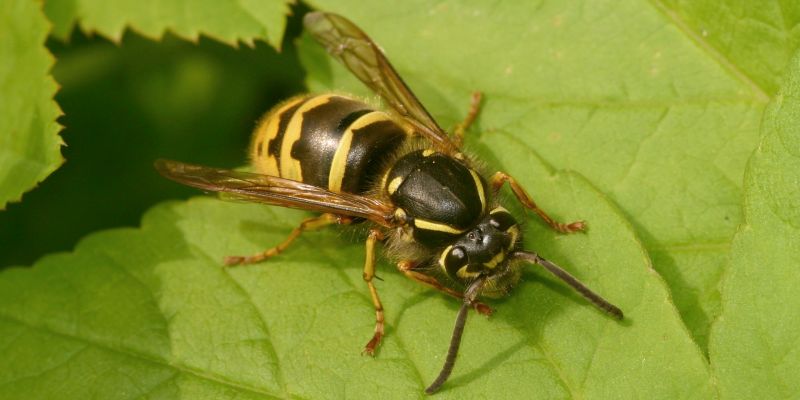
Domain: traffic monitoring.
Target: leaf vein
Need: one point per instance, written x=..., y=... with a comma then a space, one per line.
x=131, y=353
x=268, y=344
x=760, y=92
x=46, y=370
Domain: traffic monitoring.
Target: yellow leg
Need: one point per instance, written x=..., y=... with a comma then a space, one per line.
x=407, y=268
x=369, y=273
x=474, y=109
x=308, y=224
x=500, y=178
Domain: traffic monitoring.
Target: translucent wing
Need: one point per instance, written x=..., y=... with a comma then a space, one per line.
x=349, y=44
x=276, y=191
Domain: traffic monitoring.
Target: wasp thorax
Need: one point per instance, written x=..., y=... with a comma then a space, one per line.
x=441, y=196
x=482, y=250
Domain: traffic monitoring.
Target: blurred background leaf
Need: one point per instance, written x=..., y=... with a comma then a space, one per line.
x=229, y=21
x=128, y=104
x=30, y=148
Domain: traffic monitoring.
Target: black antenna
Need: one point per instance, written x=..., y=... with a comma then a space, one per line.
x=455, y=342
x=565, y=276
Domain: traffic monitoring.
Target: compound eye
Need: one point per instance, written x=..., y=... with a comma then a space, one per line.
x=455, y=259
x=502, y=220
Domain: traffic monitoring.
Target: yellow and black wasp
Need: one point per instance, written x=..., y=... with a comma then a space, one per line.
x=399, y=172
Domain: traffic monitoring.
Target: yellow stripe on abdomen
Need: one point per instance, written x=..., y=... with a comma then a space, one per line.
x=265, y=132
x=290, y=167
x=339, y=163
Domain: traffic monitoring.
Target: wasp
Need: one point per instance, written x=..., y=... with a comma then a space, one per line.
x=396, y=171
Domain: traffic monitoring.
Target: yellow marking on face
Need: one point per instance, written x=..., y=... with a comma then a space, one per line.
x=428, y=152
x=445, y=252
x=479, y=186
x=495, y=260
x=339, y=163
x=394, y=184
x=384, y=177
x=266, y=131
x=464, y=274
x=435, y=226
x=290, y=167
x=514, y=232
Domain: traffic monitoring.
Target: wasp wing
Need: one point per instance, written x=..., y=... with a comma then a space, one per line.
x=352, y=47
x=276, y=191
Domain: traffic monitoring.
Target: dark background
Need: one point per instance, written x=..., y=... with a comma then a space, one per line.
x=126, y=105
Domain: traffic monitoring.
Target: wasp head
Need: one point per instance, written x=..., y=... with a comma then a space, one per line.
x=484, y=251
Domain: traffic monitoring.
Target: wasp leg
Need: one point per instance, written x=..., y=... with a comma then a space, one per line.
x=500, y=178
x=407, y=268
x=369, y=273
x=308, y=224
x=474, y=109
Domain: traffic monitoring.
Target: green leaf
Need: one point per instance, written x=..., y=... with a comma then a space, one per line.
x=151, y=312
x=30, y=148
x=655, y=118
x=228, y=21
x=754, y=343
x=752, y=39
x=622, y=92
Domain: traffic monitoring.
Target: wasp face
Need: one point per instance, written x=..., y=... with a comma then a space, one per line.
x=482, y=250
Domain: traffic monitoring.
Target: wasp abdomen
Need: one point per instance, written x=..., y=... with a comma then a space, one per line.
x=442, y=197
x=330, y=141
